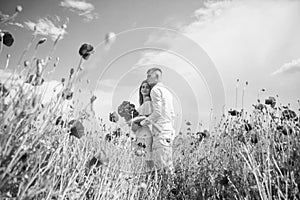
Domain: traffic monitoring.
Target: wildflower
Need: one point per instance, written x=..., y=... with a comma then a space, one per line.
x=86, y=50
x=108, y=137
x=59, y=121
x=254, y=138
x=3, y=90
x=285, y=130
x=248, y=127
x=141, y=145
x=7, y=38
x=67, y=94
x=77, y=129
x=271, y=101
x=113, y=117
x=93, y=98
x=233, y=112
x=117, y=132
x=260, y=107
x=289, y=114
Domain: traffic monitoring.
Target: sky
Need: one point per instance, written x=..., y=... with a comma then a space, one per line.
x=202, y=46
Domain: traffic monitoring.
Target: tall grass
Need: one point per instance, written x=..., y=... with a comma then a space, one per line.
x=254, y=156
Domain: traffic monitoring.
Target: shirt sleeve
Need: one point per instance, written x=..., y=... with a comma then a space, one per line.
x=156, y=100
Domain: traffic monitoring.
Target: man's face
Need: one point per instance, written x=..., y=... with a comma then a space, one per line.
x=151, y=79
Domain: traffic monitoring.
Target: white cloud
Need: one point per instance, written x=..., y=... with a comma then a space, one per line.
x=81, y=7
x=288, y=68
x=16, y=24
x=46, y=27
x=245, y=39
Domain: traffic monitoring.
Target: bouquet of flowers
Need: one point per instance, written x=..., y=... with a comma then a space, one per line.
x=127, y=111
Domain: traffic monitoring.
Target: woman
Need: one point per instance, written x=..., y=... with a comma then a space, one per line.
x=143, y=134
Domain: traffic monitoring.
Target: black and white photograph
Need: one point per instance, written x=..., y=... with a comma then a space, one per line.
x=146, y=100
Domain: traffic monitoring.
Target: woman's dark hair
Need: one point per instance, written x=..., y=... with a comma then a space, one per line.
x=141, y=99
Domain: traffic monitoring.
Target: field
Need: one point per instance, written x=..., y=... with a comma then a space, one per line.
x=48, y=153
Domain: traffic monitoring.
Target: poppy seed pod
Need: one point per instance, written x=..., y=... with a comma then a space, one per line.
x=7, y=38
x=86, y=50
x=113, y=117
x=233, y=112
x=26, y=63
x=41, y=41
x=188, y=123
x=3, y=90
x=67, y=94
x=77, y=129
x=271, y=101
x=19, y=8
x=110, y=38
x=93, y=98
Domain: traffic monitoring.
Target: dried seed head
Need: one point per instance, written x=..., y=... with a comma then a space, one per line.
x=26, y=63
x=19, y=8
x=41, y=41
x=39, y=67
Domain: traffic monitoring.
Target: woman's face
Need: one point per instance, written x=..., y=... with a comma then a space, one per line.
x=145, y=89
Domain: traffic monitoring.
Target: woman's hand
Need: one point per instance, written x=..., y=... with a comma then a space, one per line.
x=134, y=127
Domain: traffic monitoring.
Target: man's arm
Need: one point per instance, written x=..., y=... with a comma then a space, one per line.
x=156, y=105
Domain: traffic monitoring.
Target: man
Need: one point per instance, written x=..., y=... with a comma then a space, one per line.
x=162, y=119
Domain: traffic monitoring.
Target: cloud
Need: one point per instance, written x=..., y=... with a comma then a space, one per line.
x=45, y=27
x=288, y=68
x=81, y=7
x=16, y=24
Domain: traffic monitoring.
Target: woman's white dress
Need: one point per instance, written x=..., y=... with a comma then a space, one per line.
x=143, y=134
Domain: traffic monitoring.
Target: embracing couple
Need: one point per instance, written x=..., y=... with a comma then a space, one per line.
x=156, y=131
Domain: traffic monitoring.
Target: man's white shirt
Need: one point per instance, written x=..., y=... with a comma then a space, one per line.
x=162, y=108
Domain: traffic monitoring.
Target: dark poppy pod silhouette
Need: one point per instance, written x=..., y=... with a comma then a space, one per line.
x=248, y=127
x=117, y=132
x=254, y=139
x=59, y=121
x=77, y=129
x=3, y=90
x=7, y=38
x=113, y=117
x=67, y=94
x=108, y=137
x=271, y=101
x=260, y=107
x=35, y=80
x=233, y=112
x=86, y=50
